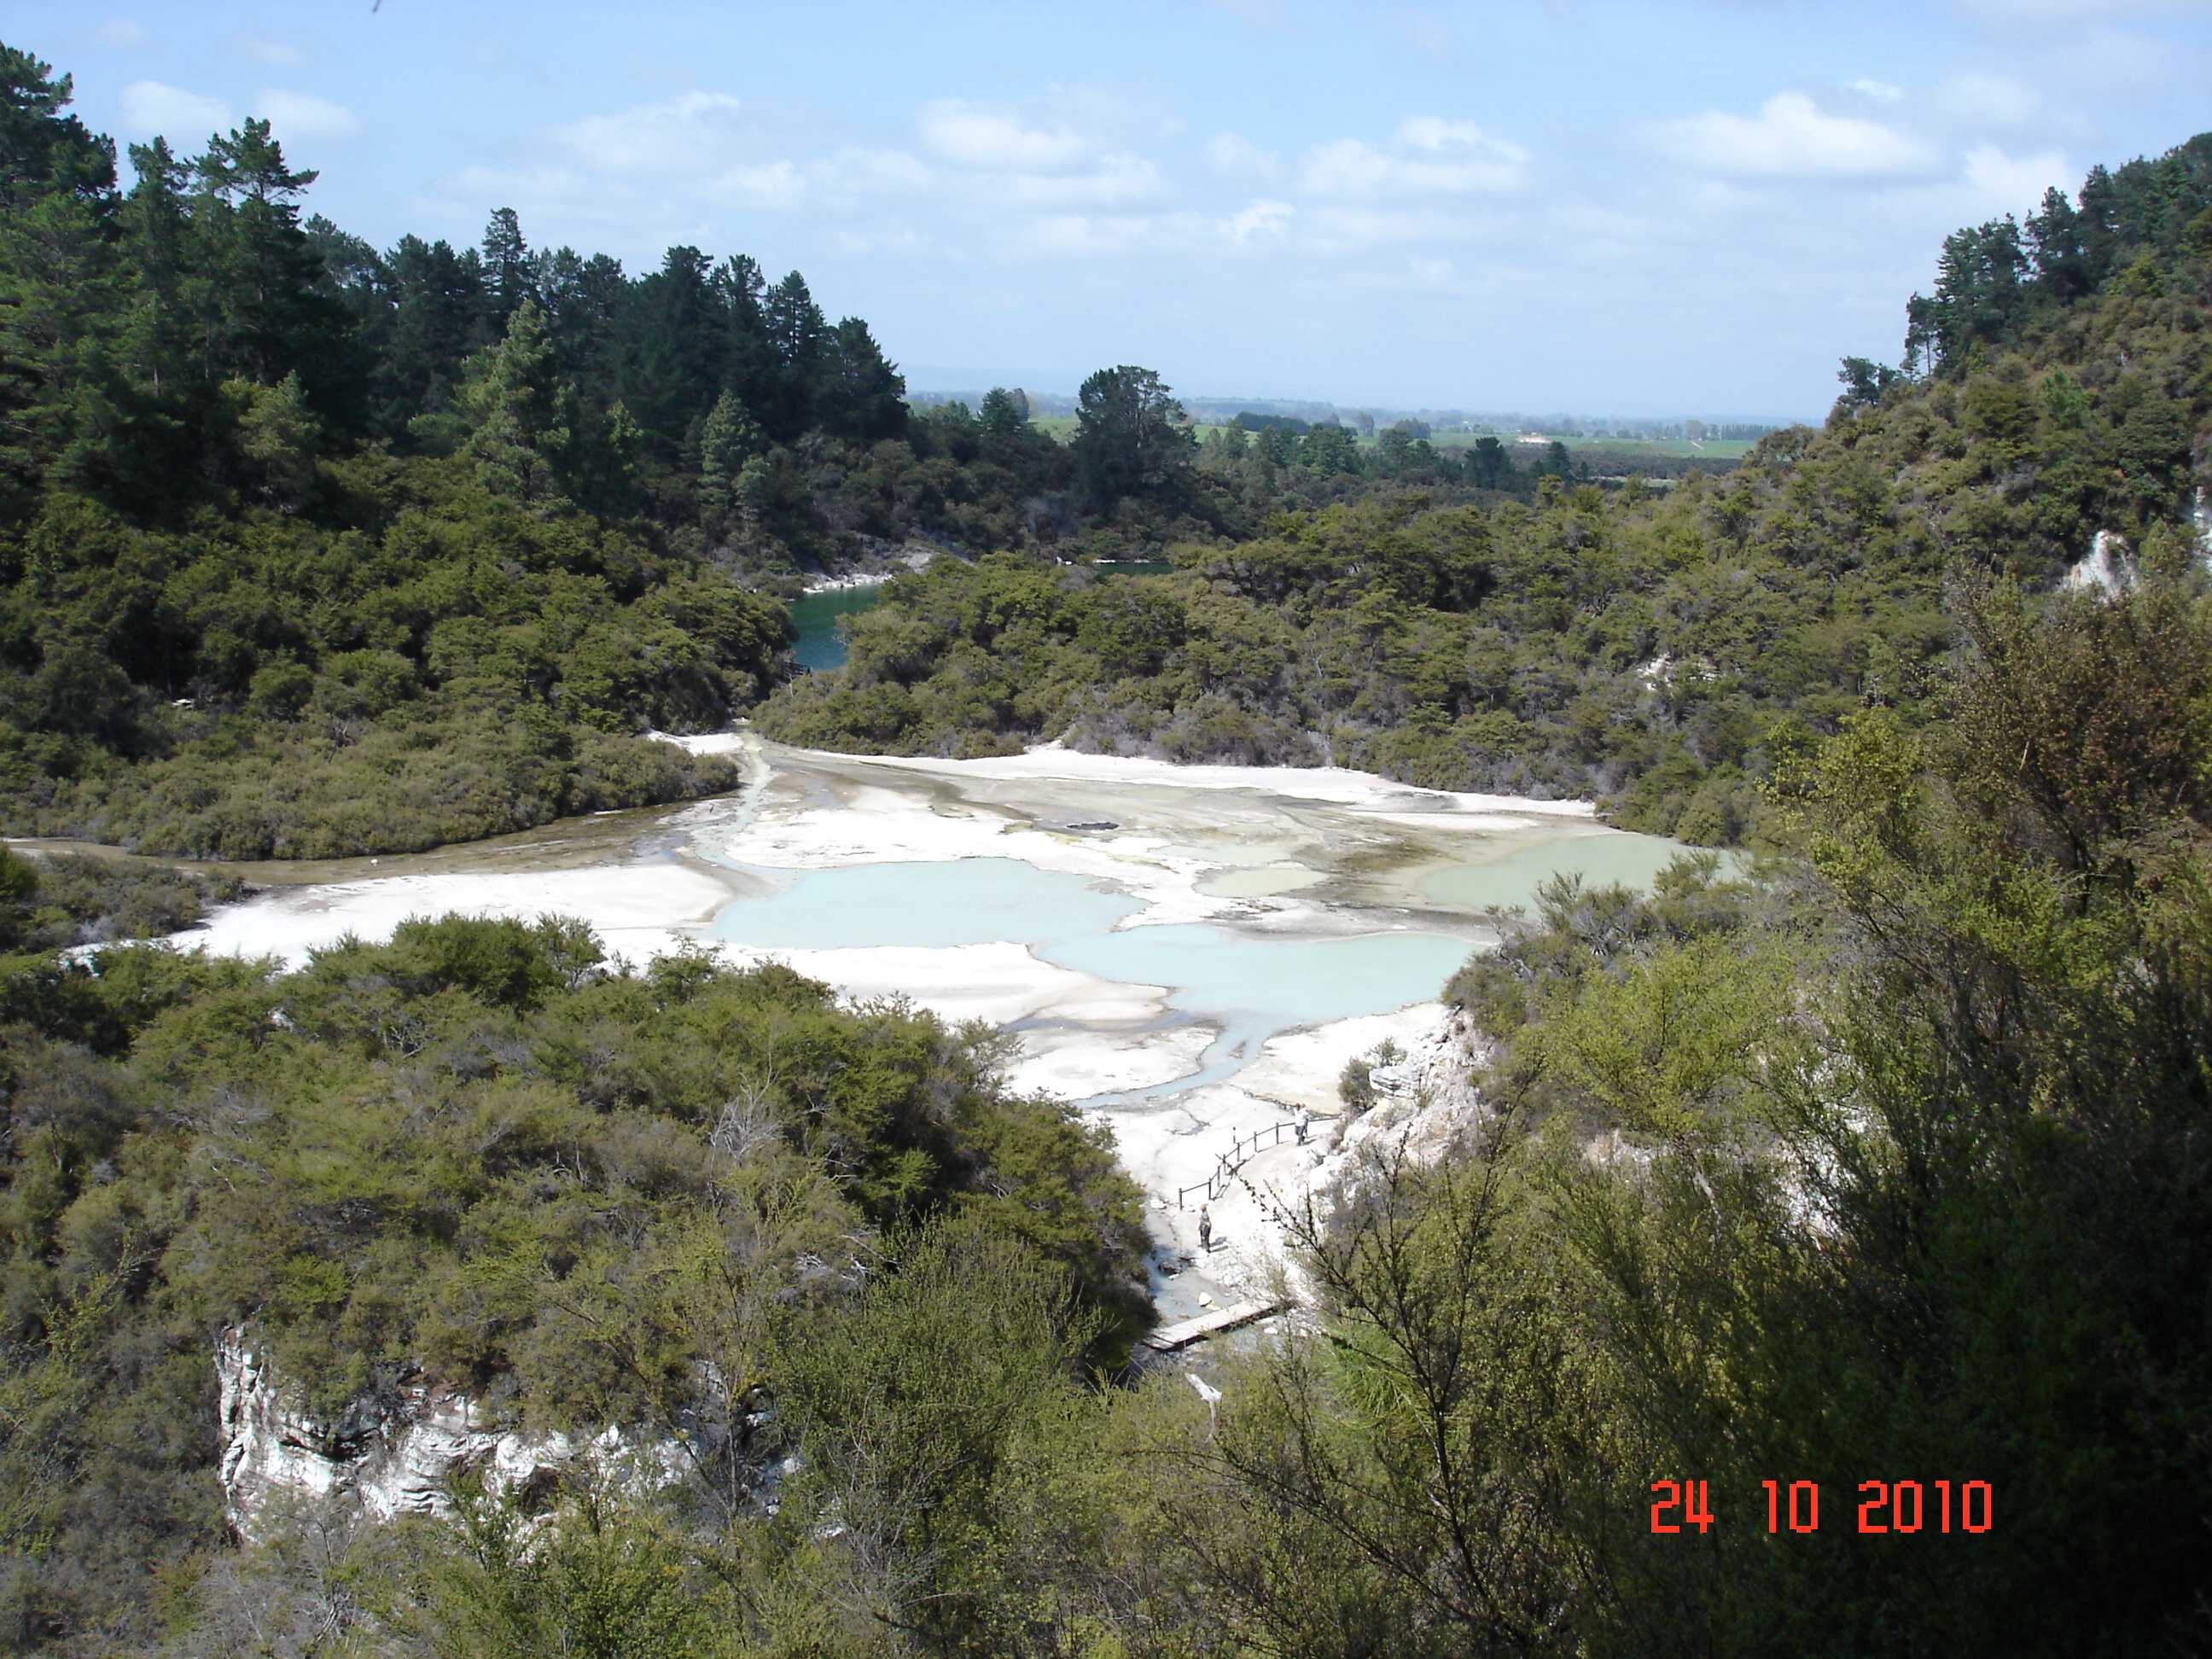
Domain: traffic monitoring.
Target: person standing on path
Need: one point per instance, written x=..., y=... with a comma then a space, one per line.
x=1305, y=1122
x=1206, y=1229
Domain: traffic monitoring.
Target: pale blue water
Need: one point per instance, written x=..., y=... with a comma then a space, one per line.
x=1287, y=982
x=819, y=648
x=1599, y=860
x=1249, y=988
x=1252, y=989
x=960, y=902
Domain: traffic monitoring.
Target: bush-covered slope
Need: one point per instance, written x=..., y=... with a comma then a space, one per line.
x=1658, y=650
x=308, y=548
x=410, y=661
x=474, y=1154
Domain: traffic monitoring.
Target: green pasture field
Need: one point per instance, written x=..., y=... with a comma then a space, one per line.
x=1062, y=428
x=1716, y=449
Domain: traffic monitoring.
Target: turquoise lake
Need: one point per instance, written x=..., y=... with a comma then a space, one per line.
x=958, y=901
x=1249, y=988
x=819, y=648
x=1511, y=881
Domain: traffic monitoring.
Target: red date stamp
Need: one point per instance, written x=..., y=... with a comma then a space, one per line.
x=1885, y=1506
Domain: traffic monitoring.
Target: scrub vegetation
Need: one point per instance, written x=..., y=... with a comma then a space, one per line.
x=1664, y=651
x=1873, y=1165
x=309, y=550
x=1879, y=1161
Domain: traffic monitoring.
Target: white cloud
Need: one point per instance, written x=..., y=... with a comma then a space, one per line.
x=1266, y=221
x=1089, y=235
x=857, y=169
x=775, y=186
x=1107, y=235
x=1791, y=138
x=1435, y=134
x=481, y=188
x=1881, y=92
x=1979, y=100
x=1236, y=156
x=1433, y=157
x=303, y=115
x=682, y=132
x=584, y=205
x=1113, y=181
x=901, y=240
x=2015, y=183
x=150, y=107
x=2116, y=63
x=976, y=136
x=1358, y=230
x=2074, y=11
x=121, y=33
x=605, y=184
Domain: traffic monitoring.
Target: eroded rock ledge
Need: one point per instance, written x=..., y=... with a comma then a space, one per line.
x=398, y=1456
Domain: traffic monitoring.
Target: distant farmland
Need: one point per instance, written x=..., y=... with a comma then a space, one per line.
x=1062, y=427
x=1711, y=449
x=1626, y=451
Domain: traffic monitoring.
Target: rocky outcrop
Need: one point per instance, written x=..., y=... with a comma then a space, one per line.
x=2108, y=567
x=1424, y=1101
x=397, y=1455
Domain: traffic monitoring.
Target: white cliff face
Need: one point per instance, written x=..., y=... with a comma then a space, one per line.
x=1426, y=1101
x=2108, y=567
x=400, y=1460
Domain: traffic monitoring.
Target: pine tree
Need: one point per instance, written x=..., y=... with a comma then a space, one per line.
x=61, y=285
x=999, y=417
x=730, y=438
x=522, y=416
x=278, y=437
x=157, y=222
x=437, y=298
x=797, y=333
x=862, y=396
x=506, y=265
x=1130, y=439
x=677, y=344
x=268, y=311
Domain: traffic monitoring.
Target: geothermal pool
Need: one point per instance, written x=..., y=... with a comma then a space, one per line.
x=1189, y=954
x=1240, y=989
x=818, y=648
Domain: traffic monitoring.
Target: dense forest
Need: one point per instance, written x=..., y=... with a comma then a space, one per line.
x=307, y=549
x=1662, y=650
x=1878, y=1167
x=1877, y=1162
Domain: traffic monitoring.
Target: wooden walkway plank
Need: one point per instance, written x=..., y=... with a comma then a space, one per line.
x=1183, y=1332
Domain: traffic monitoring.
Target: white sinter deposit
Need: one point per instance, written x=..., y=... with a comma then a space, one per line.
x=1300, y=855
x=1231, y=864
x=400, y=1458
x=910, y=557
x=2108, y=567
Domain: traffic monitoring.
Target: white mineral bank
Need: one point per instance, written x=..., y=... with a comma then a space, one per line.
x=1176, y=828
x=1323, y=783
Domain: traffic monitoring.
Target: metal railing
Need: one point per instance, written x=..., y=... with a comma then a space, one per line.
x=1226, y=1166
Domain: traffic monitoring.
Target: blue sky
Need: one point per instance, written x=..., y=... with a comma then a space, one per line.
x=1544, y=206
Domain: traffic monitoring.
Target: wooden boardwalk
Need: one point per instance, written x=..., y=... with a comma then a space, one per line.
x=1212, y=1322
